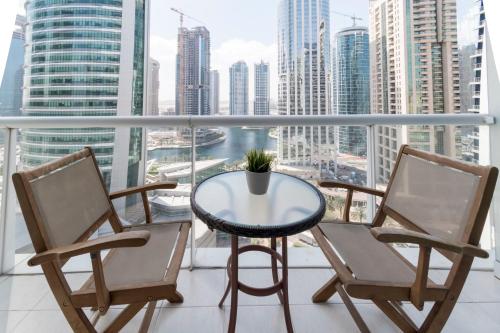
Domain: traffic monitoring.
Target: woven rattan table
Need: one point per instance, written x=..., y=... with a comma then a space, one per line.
x=290, y=206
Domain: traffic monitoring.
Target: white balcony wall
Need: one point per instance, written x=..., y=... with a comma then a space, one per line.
x=492, y=44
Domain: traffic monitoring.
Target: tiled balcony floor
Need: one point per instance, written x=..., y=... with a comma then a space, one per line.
x=27, y=305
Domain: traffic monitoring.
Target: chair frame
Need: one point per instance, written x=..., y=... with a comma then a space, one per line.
x=52, y=259
x=460, y=253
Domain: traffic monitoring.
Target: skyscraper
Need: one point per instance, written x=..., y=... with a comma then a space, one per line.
x=193, y=72
x=261, y=95
x=81, y=60
x=414, y=70
x=11, y=93
x=214, y=91
x=153, y=87
x=238, y=89
x=352, y=86
x=470, y=138
x=304, y=73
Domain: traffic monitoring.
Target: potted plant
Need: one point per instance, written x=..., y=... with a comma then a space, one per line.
x=258, y=170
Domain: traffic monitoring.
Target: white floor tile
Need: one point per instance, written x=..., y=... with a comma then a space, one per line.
x=22, y=292
x=266, y=318
x=43, y=321
x=200, y=287
x=48, y=302
x=474, y=317
x=10, y=319
x=188, y=320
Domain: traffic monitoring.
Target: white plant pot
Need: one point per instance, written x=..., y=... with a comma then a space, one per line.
x=258, y=182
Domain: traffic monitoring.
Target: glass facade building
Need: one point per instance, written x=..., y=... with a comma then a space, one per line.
x=261, y=92
x=352, y=87
x=80, y=60
x=238, y=89
x=193, y=72
x=304, y=74
x=12, y=81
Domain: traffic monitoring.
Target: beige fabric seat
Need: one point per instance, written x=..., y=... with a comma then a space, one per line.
x=129, y=267
x=368, y=259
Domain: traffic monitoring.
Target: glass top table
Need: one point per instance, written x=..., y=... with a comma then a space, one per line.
x=290, y=206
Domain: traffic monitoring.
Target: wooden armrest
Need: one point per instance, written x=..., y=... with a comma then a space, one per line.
x=393, y=235
x=352, y=187
x=123, y=239
x=142, y=189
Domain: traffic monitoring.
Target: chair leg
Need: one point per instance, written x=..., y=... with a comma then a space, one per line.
x=397, y=315
x=175, y=297
x=124, y=317
x=327, y=291
x=437, y=317
x=146, y=321
x=363, y=328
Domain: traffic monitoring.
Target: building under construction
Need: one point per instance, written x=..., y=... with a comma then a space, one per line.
x=193, y=72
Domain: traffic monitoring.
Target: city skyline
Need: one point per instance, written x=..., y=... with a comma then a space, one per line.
x=234, y=38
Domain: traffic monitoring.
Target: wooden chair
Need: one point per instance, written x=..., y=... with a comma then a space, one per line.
x=64, y=202
x=438, y=203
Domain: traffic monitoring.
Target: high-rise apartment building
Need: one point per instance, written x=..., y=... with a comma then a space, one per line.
x=214, y=91
x=470, y=141
x=86, y=59
x=352, y=87
x=261, y=91
x=414, y=70
x=153, y=88
x=11, y=88
x=304, y=74
x=238, y=89
x=193, y=72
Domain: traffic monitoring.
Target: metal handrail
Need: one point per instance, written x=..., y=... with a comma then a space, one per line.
x=228, y=121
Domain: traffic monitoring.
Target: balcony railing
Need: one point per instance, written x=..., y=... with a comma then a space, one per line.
x=367, y=164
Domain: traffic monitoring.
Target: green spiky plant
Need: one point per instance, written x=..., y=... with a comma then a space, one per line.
x=258, y=161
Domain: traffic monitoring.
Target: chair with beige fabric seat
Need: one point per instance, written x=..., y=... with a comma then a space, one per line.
x=64, y=203
x=438, y=203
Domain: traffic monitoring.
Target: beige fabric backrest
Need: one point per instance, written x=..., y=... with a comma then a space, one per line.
x=70, y=200
x=437, y=199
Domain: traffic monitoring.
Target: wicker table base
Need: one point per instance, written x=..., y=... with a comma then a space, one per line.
x=280, y=287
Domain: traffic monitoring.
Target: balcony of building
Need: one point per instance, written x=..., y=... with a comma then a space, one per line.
x=27, y=303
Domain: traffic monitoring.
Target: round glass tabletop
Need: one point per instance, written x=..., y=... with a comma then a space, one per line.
x=291, y=205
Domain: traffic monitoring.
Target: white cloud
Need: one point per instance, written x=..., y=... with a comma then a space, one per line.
x=164, y=50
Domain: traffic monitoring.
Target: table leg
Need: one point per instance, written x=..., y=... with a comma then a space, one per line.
x=274, y=268
x=234, y=284
x=286, y=306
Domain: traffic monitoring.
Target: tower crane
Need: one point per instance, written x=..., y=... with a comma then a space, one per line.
x=352, y=17
x=182, y=14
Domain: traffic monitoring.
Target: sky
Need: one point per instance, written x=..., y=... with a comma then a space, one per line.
x=246, y=30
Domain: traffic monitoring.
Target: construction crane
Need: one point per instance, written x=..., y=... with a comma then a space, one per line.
x=352, y=17
x=182, y=14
